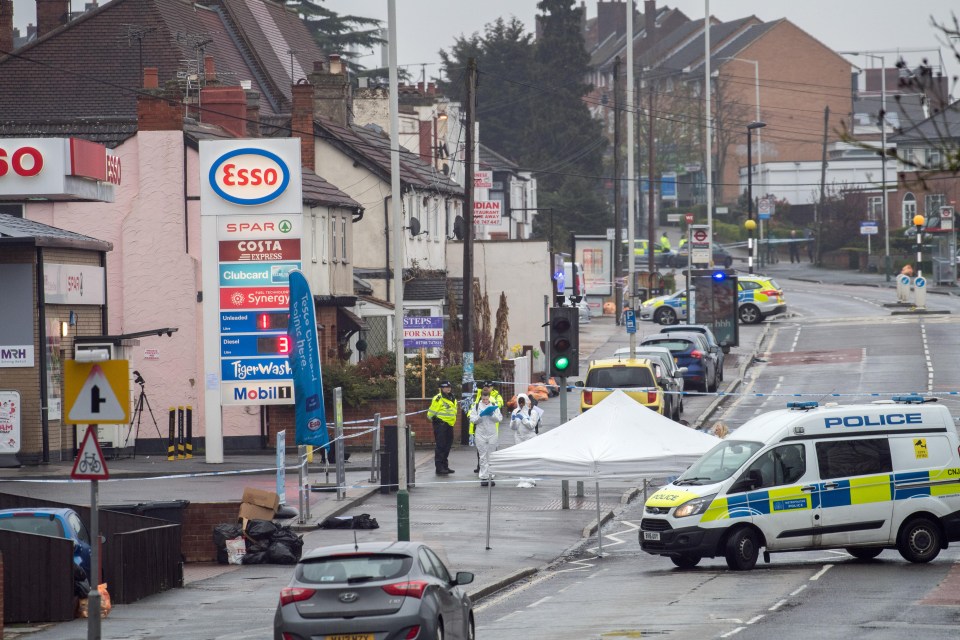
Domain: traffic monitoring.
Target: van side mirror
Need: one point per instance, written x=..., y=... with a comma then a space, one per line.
x=578, y=383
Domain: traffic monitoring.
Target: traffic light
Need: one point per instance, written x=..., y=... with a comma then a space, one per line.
x=564, y=342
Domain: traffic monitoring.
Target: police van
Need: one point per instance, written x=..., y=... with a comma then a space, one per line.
x=863, y=478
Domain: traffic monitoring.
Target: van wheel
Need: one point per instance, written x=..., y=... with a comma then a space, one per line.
x=919, y=540
x=685, y=562
x=749, y=314
x=743, y=549
x=665, y=316
x=864, y=553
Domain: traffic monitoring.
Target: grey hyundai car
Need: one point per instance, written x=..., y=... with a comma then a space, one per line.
x=374, y=591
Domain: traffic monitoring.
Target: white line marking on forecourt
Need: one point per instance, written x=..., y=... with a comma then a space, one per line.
x=818, y=574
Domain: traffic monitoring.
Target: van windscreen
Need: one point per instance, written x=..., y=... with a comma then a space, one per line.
x=719, y=463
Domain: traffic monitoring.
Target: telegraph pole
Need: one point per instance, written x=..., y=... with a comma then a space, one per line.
x=467, y=385
x=617, y=213
x=631, y=177
x=651, y=157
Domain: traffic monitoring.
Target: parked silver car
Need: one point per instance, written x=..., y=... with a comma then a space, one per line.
x=374, y=591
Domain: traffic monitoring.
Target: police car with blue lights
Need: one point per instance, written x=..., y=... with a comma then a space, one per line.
x=863, y=478
x=758, y=297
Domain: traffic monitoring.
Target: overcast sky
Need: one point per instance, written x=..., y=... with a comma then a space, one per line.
x=425, y=26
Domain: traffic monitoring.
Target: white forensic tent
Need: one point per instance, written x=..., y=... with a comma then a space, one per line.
x=618, y=438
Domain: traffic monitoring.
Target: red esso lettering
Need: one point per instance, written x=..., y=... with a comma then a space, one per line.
x=26, y=162
x=241, y=177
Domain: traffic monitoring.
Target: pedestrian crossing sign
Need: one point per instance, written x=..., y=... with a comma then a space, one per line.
x=90, y=463
x=97, y=392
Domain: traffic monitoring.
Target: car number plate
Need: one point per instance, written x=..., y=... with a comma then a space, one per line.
x=651, y=535
x=351, y=636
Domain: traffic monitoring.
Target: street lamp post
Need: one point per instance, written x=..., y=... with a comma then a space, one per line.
x=752, y=245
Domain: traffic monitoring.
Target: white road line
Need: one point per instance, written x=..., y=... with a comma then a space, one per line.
x=818, y=574
x=778, y=605
x=798, y=590
x=755, y=619
x=732, y=633
x=569, y=586
x=538, y=602
x=509, y=615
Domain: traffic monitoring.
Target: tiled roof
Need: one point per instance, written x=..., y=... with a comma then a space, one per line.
x=316, y=190
x=109, y=131
x=688, y=54
x=16, y=229
x=494, y=161
x=425, y=289
x=940, y=129
x=248, y=39
x=370, y=146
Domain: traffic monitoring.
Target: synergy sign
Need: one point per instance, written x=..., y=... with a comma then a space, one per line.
x=250, y=176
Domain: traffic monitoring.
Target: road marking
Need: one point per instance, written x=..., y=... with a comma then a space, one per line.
x=798, y=590
x=569, y=586
x=734, y=632
x=778, y=605
x=509, y=615
x=755, y=619
x=817, y=575
x=538, y=602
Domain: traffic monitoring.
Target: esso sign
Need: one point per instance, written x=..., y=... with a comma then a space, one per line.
x=249, y=176
x=25, y=161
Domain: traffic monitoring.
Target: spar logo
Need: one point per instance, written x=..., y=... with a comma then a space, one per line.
x=249, y=176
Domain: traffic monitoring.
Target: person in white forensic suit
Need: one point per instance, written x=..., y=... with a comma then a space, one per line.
x=524, y=422
x=484, y=416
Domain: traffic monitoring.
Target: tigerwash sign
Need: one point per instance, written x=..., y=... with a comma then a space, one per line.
x=251, y=201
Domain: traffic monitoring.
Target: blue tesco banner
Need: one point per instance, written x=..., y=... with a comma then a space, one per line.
x=305, y=361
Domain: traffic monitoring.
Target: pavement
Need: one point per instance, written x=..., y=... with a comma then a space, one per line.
x=530, y=531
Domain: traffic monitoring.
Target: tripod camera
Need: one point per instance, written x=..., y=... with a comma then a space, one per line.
x=138, y=414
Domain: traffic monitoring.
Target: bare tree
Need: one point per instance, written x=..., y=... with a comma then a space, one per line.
x=500, y=339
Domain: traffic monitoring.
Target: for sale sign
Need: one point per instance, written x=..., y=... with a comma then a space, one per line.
x=486, y=212
x=423, y=332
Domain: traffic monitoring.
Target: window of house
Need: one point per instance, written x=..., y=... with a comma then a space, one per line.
x=908, y=209
x=843, y=458
x=934, y=158
x=875, y=208
x=343, y=238
x=424, y=216
x=435, y=220
x=932, y=203
x=333, y=237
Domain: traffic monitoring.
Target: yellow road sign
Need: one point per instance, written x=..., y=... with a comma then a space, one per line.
x=97, y=392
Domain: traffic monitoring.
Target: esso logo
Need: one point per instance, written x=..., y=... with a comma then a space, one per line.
x=249, y=176
x=25, y=162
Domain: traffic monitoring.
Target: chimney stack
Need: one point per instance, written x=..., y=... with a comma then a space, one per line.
x=253, y=110
x=51, y=14
x=6, y=27
x=332, y=93
x=209, y=69
x=158, y=110
x=225, y=107
x=301, y=122
x=650, y=18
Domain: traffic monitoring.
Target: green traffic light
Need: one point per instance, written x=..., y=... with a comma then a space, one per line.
x=561, y=363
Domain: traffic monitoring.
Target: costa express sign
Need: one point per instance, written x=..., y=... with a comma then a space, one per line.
x=252, y=176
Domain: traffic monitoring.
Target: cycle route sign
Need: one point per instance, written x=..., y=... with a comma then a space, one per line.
x=90, y=463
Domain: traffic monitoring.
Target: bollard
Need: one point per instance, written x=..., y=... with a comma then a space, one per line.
x=903, y=288
x=189, y=443
x=920, y=292
x=171, y=450
x=375, y=453
x=180, y=452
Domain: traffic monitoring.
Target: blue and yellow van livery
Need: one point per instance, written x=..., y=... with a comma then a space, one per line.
x=758, y=297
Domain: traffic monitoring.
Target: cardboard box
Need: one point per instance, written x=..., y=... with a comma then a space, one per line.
x=258, y=504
